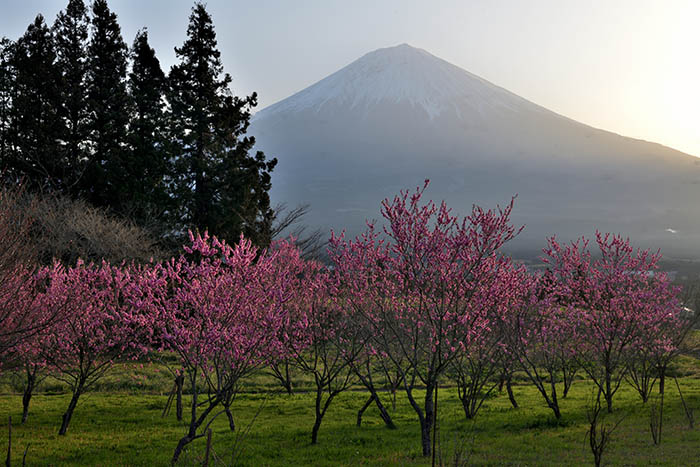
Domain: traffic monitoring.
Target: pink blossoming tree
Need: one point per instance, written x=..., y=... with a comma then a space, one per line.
x=422, y=287
x=617, y=301
x=99, y=328
x=220, y=309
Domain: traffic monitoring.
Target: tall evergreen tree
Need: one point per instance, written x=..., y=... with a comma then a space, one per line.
x=70, y=32
x=35, y=125
x=108, y=106
x=7, y=78
x=220, y=186
x=144, y=195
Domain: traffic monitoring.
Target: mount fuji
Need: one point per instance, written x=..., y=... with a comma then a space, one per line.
x=399, y=115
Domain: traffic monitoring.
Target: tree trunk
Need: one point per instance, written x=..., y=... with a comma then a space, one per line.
x=435, y=423
x=427, y=420
x=28, y=392
x=8, y=459
x=195, y=423
x=69, y=412
x=179, y=383
x=511, y=396
x=184, y=441
x=384, y=414
x=554, y=402
x=207, y=453
x=320, y=412
x=287, y=382
x=568, y=380
x=363, y=408
x=662, y=388
x=608, y=391
x=319, y=415
x=229, y=415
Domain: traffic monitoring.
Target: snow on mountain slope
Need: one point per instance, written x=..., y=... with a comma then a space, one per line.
x=398, y=115
x=402, y=74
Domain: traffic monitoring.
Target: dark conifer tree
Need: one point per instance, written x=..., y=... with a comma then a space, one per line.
x=144, y=195
x=35, y=125
x=108, y=106
x=219, y=186
x=7, y=79
x=70, y=32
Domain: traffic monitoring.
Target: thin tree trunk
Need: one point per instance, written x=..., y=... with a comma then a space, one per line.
x=229, y=415
x=69, y=412
x=195, y=423
x=207, y=453
x=28, y=392
x=608, y=390
x=427, y=420
x=169, y=402
x=384, y=414
x=8, y=460
x=184, y=441
x=363, y=408
x=320, y=412
x=554, y=404
x=287, y=383
x=435, y=426
x=509, y=388
x=179, y=383
x=662, y=388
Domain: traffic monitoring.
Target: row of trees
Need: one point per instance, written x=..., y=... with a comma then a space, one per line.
x=83, y=115
x=428, y=298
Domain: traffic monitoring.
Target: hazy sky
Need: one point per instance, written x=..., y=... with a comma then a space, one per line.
x=628, y=66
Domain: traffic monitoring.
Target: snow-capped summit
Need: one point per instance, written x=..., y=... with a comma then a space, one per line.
x=398, y=115
x=402, y=74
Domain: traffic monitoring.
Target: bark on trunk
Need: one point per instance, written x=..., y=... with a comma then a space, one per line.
x=320, y=412
x=662, y=388
x=363, y=408
x=69, y=412
x=27, y=396
x=229, y=415
x=427, y=421
x=184, y=441
x=179, y=383
x=608, y=391
x=8, y=459
x=383, y=413
x=511, y=396
x=195, y=422
x=554, y=403
x=287, y=381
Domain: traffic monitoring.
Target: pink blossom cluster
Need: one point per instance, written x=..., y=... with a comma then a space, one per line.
x=429, y=294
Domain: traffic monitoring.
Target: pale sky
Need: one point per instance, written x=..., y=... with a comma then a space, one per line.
x=628, y=66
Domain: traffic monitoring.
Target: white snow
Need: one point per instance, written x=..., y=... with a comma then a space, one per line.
x=403, y=74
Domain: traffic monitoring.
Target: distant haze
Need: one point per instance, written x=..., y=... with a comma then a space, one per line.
x=628, y=66
x=398, y=115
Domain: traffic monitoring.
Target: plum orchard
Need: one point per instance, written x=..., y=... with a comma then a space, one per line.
x=429, y=298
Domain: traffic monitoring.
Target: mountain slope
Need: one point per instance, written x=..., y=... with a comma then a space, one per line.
x=399, y=115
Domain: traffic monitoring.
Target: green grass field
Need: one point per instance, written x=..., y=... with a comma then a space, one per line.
x=120, y=424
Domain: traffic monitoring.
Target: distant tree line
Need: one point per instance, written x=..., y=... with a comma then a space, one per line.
x=84, y=116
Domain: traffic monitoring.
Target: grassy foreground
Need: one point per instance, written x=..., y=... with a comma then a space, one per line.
x=124, y=427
